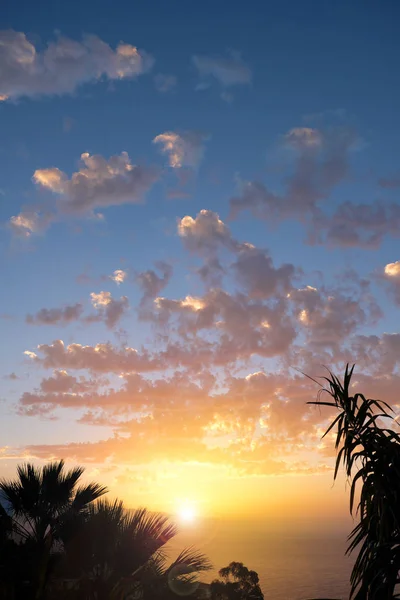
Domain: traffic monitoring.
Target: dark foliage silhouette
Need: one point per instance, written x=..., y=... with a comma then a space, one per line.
x=369, y=450
x=34, y=509
x=115, y=553
x=237, y=583
x=60, y=542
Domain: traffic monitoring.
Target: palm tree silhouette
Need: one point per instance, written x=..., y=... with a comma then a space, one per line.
x=116, y=553
x=35, y=509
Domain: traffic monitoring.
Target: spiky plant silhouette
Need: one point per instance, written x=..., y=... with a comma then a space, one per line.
x=369, y=450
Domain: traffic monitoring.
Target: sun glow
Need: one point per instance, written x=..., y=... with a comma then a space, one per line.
x=187, y=512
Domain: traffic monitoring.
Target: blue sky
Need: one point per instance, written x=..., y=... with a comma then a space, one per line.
x=312, y=89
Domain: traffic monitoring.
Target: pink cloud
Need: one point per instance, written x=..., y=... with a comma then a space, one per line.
x=101, y=358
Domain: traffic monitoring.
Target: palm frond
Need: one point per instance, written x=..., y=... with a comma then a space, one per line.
x=194, y=560
x=370, y=455
x=87, y=494
x=156, y=528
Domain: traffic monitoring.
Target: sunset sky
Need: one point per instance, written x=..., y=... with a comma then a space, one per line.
x=198, y=201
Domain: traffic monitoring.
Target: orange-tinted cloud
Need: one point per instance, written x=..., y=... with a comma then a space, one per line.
x=109, y=309
x=183, y=149
x=98, y=183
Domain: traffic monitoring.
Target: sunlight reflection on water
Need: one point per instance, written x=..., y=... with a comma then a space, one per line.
x=294, y=567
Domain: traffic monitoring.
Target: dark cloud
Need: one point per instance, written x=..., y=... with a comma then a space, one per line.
x=109, y=310
x=151, y=283
x=390, y=183
x=56, y=316
x=256, y=272
x=362, y=225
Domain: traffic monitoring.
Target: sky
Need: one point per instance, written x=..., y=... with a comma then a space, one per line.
x=198, y=203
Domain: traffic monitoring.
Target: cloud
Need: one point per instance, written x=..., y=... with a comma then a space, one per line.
x=165, y=83
x=379, y=354
x=239, y=327
x=391, y=277
x=98, y=183
x=329, y=316
x=206, y=232
x=29, y=222
x=362, y=225
x=109, y=310
x=63, y=65
x=320, y=164
x=119, y=276
x=11, y=376
x=389, y=183
x=151, y=283
x=393, y=269
x=252, y=426
x=212, y=272
x=56, y=316
x=227, y=72
x=256, y=272
x=136, y=394
x=185, y=149
x=101, y=358
x=61, y=382
x=303, y=137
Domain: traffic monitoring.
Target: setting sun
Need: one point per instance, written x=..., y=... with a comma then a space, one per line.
x=187, y=513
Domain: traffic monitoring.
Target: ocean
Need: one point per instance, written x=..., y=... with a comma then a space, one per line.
x=290, y=566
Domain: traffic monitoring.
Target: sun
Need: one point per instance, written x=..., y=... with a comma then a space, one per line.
x=187, y=513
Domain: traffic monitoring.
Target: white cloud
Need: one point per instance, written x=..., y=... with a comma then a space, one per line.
x=119, y=276
x=393, y=269
x=63, y=65
x=391, y=277
x=101, y=299
x=184, y=149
